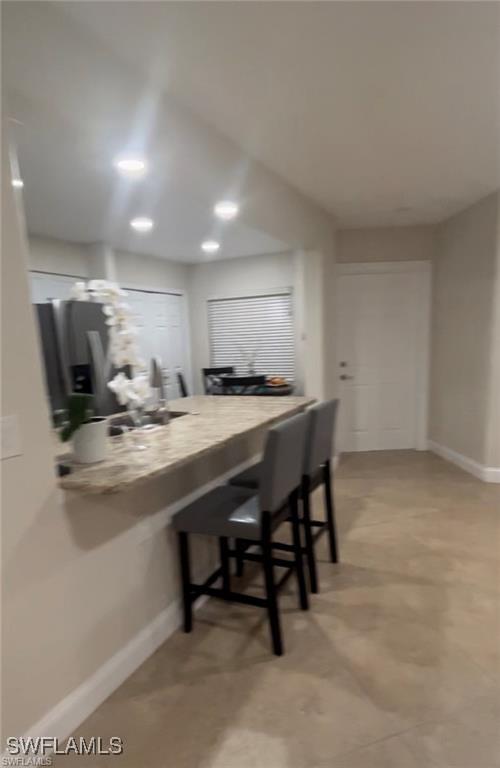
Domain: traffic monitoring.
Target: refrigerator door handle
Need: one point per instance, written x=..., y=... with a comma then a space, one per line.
x=59, y=315
x=100, y=370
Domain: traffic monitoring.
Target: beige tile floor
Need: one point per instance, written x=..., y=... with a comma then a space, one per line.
x=396, y=665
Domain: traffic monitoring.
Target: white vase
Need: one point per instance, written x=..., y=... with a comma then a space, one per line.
x=90, y=441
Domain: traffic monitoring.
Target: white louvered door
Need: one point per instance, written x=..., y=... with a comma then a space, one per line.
x=255, y=328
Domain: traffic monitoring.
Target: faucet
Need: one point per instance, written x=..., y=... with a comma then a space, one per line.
x=157, y=381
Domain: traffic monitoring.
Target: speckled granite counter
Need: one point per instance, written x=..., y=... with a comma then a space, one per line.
x=210, y=423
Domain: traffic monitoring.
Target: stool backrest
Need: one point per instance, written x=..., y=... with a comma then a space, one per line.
x=320, y=435
x=282, y=462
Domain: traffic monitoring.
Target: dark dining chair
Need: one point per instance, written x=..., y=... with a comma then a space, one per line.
x=183, y=390
x=242, y=385
x=316, y=471
x=229, y=512
x=211, y=378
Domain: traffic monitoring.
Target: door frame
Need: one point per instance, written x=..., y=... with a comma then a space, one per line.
x=423, y=269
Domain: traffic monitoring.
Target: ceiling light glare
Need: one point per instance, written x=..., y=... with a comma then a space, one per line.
x=17, y=183
x=210, y=246
x=131, y=167
x=226, y=210
x=142, y=224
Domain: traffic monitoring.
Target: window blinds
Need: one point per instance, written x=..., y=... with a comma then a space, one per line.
x=253, y=332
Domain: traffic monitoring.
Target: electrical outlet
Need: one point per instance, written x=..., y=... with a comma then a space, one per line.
x=10, y=441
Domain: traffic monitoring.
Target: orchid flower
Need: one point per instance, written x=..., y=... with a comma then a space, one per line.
x=79, y=291
x=123, y=348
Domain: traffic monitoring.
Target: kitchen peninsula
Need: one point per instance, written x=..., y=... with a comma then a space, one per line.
x=210, y=424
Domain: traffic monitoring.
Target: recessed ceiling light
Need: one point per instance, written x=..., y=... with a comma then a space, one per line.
x=226, y=210
x=142, y=224
x=18, y=183
x=131, y=167
x=210, y=246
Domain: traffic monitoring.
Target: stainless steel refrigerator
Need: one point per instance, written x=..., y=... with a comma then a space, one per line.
x=74, y=343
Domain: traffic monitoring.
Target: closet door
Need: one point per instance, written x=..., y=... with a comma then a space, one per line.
x=160, y=319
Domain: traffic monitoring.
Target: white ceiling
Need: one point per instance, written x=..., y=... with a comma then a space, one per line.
x=72, y=192
x=72, y=116
x=382, y=112
x=366, y=107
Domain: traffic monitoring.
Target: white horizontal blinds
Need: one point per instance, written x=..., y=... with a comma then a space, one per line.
x=255, y=328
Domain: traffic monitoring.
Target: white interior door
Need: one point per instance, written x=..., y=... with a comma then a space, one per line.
x=382, y=356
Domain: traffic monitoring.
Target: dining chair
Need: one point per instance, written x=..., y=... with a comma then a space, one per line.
x=181, y=382
x=242, y=385
x=230, y=512
x=316, y=471
x=211, y=378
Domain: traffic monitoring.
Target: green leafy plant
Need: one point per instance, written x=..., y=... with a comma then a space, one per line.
x=79, y=411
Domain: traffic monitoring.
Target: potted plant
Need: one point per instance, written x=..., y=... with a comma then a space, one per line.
x=89, y=433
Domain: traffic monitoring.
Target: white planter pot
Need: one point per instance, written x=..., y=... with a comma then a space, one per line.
x=90, y=441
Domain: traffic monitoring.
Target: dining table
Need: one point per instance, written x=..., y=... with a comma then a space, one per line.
x=267, y=389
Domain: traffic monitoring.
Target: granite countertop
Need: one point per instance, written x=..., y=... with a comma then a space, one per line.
x=210, y=423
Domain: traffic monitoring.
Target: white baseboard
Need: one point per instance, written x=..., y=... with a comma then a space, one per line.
x=487, y=474
x=69, y=713
x=63, y=719
x=491, y=474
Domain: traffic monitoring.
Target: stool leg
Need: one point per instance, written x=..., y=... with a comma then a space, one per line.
x=297, y=546
x=311, y=557
x=330, y=513
x=240, y=563
x=224, y=561
x=272, y=601
x=185, y=580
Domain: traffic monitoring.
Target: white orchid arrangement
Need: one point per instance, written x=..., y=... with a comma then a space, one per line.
x=123, y=348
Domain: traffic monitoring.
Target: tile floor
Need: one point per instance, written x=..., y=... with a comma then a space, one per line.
x=397, y=665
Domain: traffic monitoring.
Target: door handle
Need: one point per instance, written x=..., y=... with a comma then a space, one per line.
x=344, y=377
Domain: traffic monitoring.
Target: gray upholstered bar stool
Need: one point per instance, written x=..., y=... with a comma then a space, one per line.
x=230, y=512
x=317, y=471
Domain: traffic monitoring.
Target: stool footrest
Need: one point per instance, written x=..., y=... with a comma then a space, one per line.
x=281, y=582
x=236, y=597
x=213, y=577
x=255, y=557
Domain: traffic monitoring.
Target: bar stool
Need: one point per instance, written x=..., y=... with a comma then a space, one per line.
x=229, y=512
x=317, y=471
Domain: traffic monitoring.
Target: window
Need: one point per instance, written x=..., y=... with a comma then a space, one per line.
x=254, y=333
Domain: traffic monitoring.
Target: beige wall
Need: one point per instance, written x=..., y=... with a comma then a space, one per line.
x=465, y=283
x=230, y=277
x=130, y=269
x=386, y=244
x=28, y=489
x=137, y=271
x=493, y=436
x=58, y=256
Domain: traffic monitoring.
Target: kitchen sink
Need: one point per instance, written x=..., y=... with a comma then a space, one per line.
x=123, y=421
